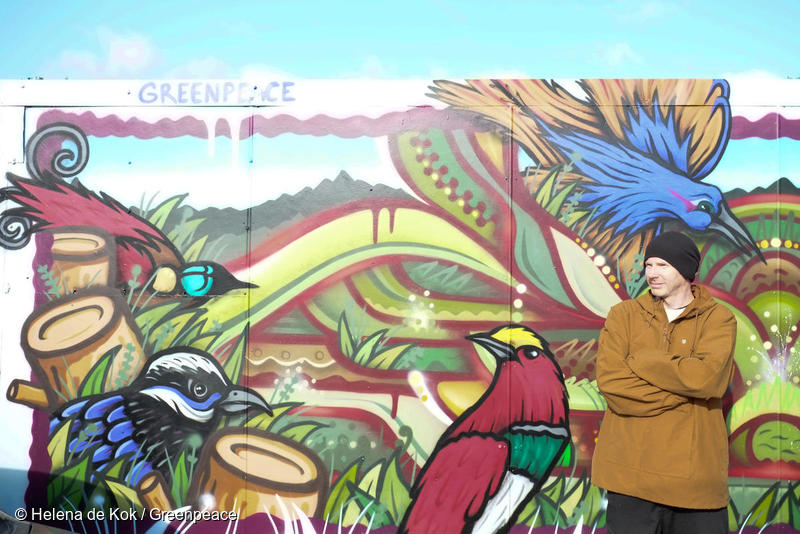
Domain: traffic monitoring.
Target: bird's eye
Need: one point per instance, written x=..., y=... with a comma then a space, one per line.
x=706, y=206
x=199, y=390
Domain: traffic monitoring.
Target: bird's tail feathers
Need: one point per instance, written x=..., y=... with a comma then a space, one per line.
x=645, y=113
x=517, y=106
x=52, y=202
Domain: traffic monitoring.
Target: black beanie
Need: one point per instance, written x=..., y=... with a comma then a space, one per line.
x=676, y=249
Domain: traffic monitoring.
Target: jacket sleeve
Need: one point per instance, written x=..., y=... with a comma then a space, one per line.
x=703, y=375
x=624, y=391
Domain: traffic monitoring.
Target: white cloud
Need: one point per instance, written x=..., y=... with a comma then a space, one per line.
x=618, y=55
x=753, y=73
x=375, y=67
x=206, y=67
x=641, y=12
x=120, y=55
x=439, y=72
x=258, y=71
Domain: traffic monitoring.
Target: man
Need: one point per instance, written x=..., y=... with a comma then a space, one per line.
x=664, y=361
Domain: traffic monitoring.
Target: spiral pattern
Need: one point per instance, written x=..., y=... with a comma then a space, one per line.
x=68, y=160
x=15, y=231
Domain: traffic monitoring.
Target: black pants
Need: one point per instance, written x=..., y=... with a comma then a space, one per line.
x=629, y=515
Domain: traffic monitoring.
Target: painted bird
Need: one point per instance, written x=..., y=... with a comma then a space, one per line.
x=642, y=147
x=175, y=402
x=48, y=202
x=500, y=451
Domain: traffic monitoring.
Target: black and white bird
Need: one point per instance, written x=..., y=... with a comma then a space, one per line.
x=175, y=402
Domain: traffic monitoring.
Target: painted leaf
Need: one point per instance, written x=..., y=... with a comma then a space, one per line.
x=159, y=216
x=264, y=421
x=591, y=508
x=394, y=493
x=204, y=342
x=193, y=252
x=340, y=493
x=300, y=431
x=95, y=381
x=533, y=260
x=234, y=365
x=387, y=358
x=761, y=512
x=66, y=488
x=546, y=190
x=586, y=280
x=183, y=234
x=125, y=496
x=147, y=320
x=114, y=470
x=57, y=446
x=180, y=479
x=555, y=205
x=549, y=511
x=371, y=479
x=367, y=348
x=376, y=512
x=345, y=337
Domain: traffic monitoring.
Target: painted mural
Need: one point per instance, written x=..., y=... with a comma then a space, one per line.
x=237, y=307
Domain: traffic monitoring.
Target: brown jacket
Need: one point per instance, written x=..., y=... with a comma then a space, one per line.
x=663, y=437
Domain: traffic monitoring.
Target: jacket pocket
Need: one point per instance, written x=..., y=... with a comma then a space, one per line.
x=660, y=445
x=668, y=442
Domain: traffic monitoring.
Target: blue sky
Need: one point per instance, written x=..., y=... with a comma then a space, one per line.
x=410, y=39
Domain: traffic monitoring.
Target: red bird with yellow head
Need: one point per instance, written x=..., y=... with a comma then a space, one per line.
x=500, y=451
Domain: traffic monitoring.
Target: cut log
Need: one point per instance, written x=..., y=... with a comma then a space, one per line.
x=248, y=471
x=65, y=338
x=83, y=256
x=153, y=493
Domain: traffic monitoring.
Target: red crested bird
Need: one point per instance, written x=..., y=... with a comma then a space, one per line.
x=500, y=451
x=48, y=202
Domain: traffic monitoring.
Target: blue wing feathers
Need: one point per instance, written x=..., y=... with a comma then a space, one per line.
x=128, y=447
x=120, y=431
x=98, y=409
x=116, y=414
x=102, y=454
x=72, y=409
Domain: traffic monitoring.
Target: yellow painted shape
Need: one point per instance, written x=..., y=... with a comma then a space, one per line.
x=458, y=395
x=517, y=337
x=492, y=144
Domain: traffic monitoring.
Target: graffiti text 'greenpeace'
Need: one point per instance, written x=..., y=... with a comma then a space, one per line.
x=216, y=92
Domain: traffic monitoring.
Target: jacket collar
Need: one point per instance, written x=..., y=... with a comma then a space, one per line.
x=655, y=307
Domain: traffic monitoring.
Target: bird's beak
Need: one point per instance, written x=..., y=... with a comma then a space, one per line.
x=728, y=225
x=498, y=349
x=241, y=399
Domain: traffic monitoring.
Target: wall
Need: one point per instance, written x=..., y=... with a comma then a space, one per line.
x=218, y=292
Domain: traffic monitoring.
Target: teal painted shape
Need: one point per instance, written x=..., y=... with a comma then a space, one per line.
x=530, y=250
x=197, y=280
x=533, y=453
x=533, y=258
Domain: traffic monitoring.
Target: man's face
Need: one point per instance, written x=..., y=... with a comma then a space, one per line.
x=664, y=279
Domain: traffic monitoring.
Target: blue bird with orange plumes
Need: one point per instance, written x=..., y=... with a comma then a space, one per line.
x=491, y=461
x=642, y=147
x=176, y=402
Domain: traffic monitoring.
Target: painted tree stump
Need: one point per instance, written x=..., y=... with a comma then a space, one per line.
x=66, y=337
x=83, y=257
x=251, y=471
